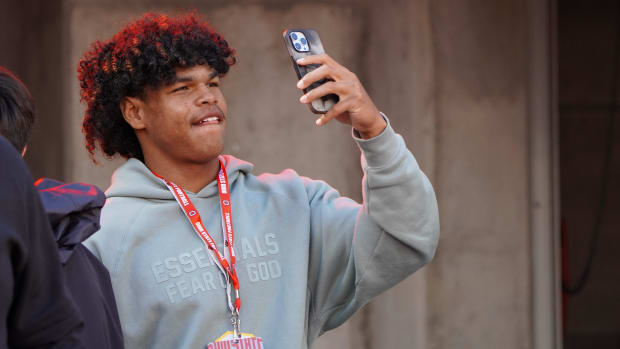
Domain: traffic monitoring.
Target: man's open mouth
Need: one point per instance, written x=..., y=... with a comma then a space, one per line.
x=210, y=119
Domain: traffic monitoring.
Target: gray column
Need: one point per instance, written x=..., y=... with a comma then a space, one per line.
x=479, y=283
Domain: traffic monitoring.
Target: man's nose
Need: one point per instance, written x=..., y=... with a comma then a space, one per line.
x=207, y=95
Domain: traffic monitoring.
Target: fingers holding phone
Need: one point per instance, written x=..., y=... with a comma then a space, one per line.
x=354, y=106
x=330, y=88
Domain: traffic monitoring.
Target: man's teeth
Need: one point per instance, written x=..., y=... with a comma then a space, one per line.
x=210, y=119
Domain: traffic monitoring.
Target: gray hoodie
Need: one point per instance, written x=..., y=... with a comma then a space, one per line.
x=307, y=258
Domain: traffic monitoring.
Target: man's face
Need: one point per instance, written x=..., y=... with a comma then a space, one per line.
x=185, y=120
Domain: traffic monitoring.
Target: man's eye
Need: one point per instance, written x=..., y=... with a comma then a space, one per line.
x=180, y=88
x=214, y=84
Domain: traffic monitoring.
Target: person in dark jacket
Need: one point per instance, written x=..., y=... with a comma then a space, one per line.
x=73, y=213
x=35, y=306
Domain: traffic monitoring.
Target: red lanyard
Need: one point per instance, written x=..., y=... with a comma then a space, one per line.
x=228, y=269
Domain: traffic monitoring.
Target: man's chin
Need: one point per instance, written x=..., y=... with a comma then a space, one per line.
x=209, y=130
x=210, y=153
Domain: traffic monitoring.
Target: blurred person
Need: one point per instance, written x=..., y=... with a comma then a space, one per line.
x=35, y=307
x=73, y=211
x=16, y=111
x=187, y=233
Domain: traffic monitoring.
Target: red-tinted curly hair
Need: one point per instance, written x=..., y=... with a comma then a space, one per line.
x=144, y=54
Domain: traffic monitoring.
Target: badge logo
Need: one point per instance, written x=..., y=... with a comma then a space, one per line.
x=226, y=341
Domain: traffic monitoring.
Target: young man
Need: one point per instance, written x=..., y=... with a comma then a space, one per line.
x=301, y=258
x=73, y=212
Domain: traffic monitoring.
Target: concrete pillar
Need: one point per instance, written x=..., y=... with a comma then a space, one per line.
x=29, y=47
x=399, y=75
x=479, y=283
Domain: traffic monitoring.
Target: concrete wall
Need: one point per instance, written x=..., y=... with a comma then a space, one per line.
x=481, y=171
x=30, y=38
x=399, y=74
x=452, y=76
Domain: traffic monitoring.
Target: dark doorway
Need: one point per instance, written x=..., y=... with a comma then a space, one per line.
x=589, y=86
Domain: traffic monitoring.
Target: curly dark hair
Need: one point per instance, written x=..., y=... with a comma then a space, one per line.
x=144, y=54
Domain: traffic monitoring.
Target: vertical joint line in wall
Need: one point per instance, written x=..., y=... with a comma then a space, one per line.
x=66, y=44
x=367, y=328
x=363, y=48
x=531, y=173
x=555, y=166
x=435, y=95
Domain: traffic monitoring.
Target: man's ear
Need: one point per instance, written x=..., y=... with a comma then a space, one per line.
x=133, y=112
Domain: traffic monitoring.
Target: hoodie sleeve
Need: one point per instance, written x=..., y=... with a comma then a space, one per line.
x=357, y=252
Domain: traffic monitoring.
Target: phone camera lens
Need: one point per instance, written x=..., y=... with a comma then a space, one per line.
x=297, y=46
x=303, y=41
x=294, y=36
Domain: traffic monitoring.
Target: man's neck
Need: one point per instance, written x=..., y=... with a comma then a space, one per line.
x=189, y=176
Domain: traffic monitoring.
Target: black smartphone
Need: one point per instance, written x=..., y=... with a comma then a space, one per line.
x=306, y=42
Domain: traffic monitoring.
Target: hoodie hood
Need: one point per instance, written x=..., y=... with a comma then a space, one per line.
x=73, y=211
x=133, y=179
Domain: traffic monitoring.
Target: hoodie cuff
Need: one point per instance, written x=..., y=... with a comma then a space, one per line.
x=379, y=150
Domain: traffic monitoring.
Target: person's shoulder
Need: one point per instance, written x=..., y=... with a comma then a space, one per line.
x=20, y=206
x=241, y=171
x=120, y=211
x=286, y=179
x=15, y=170
x=77, y=198
x=287, y=184
x=118, y=215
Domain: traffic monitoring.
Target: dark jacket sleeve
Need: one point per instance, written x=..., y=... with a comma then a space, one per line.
x=34, y=304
